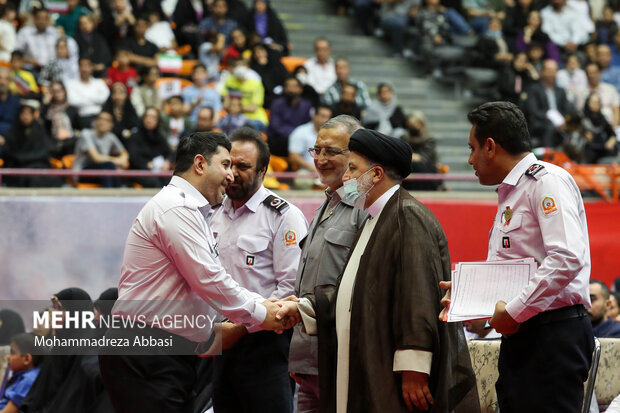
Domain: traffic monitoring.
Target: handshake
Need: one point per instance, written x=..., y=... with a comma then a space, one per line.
x=281, y=314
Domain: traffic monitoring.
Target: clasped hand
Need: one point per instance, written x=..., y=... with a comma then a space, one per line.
x=281, y=314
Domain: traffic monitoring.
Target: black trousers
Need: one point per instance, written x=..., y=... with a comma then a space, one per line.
x=542, y=367
x=150, y=383
x=252, y=376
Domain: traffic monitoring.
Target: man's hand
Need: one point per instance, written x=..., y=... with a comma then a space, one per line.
x=501, y=321
x=288, y=312
x=231, y=333
x=271, y=323
x=415, y=390
x=445, y=301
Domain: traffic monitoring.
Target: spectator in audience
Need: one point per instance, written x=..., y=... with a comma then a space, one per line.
x=536, y=55
x=87, y=93
x=117, y=22
x=516, y=19
x=11, y=324
x=23, y=83
x=143, y=52
x=99, y=148
x=309, y=93
x=433, y=23
x=546, y=107
x=607, y=27
x=147, y=94
x=264, y=21
x=287, y=113
x=234, y=118
x=572, y=78
x=210, y=52
x=252, y=95
x=28, y=146
x=600, y=138
x=9, y=106
x=61, y=120
x=122, y=72
x=610, y=100
x=303, y=137
x=267, y=64
x=93, y=45
x=200, y=94
x=346, y=105
x=69, y=20
x=239, y=47
x=566, y=28
x=37, y=42
x=609, y=74
x=237, y=10
x=480, y=12
x=24, y=362
x=160, y=33
x=532, y=32
x=614, y=310
x=176, y=123
x=395, y=16
x=615, y=49
x=124, y=115
x=321, y=68
x=206, y=120
x=62, y=68
x=516, y=78
x=602, y=324
x=384, y=114
x=218, y=21
x=492, y=49
x=332, y=95
x=148, y=150
x=424, y=158
x=7, y=31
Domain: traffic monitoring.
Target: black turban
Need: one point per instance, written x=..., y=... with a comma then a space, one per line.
x=382, y=149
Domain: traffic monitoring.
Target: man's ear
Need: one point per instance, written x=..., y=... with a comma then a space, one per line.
x=28, y=358
x=490, y=147
x=379, y=173
x=200, y=164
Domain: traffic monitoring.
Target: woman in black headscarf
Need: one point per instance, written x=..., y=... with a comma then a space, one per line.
x=599, y=135
x=149, y=150
x=123, y=112
x=264, y=21
x=271, y=70
x=11, y=324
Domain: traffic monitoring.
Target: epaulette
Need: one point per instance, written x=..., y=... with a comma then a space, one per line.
x=276, y=203
x=536, y=170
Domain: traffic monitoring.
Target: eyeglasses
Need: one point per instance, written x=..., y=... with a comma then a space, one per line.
x=329, y=152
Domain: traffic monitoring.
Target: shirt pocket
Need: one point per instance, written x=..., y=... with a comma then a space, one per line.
x=513, y=224
x=338, y=237
x=252, y=244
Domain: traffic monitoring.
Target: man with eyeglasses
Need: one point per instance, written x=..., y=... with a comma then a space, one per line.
x=325, y=248
x=303, y=137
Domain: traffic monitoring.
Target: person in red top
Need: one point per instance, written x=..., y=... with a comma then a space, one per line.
x=122, y=72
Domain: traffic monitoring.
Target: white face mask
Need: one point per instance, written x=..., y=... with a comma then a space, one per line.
x=357, y=189
x=302, y=77
x=240, y=72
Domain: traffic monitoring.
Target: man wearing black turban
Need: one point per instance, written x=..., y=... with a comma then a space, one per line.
x=381, y=346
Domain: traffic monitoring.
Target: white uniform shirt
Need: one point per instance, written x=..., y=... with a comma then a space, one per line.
x=259, y=244
x=547, y=222
x=171, y=255
x=320, y=76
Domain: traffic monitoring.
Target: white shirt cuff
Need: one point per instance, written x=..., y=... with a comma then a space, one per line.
x=413, y=360
x=519, y=311
x=308, y=316
x=258, y=316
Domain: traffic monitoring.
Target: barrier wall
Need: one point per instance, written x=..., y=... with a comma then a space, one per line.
x=49, y=243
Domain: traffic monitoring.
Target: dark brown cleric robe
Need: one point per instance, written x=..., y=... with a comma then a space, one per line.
x=395, y=306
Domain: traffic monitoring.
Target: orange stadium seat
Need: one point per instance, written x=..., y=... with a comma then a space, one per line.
x=291, y=62
x=187, y=66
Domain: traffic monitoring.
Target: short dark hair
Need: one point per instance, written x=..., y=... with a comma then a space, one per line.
x=505, y=123
x=247, y=134
x=294, y=79
x=25, y=342
x=199, y=143
x=604, y=288
x=199, y=66
x=17, y=53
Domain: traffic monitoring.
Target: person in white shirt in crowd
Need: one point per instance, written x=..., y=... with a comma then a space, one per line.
x=38, y=42
x=87, y=93
x=7, y=31
x=160, y=33
x=321, y=68
x=258, y=237
x=172, y=255
x=565, y=25
x=610, y=99
x=572, y=78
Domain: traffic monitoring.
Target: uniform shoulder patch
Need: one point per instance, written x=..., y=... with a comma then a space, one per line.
x=276, y=203
x=534, y=169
